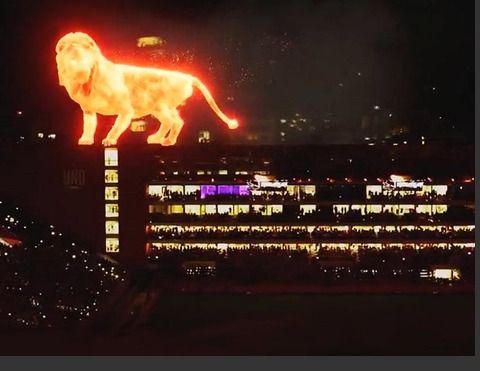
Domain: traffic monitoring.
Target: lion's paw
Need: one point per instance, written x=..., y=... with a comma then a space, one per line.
x=109, y=142
x=85, y=141
x=168, y=142
x=153, y=139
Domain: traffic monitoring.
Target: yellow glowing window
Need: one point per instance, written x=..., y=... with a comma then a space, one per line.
x=111, y=157
x=176, y=209
x=374, y=208
x=341, y=209
x=343, y=228
x=305, y=209
x=439, y=209
x=425, y=209
x=237, y=209
x=426, y=188
x=308, y=189
x=112, y=227
x=111, y=176
x=446, y=273
x=373, y=190
x=274, y=209
x=189, y=189
x=111, y=210
x=138, y=126
x=192, y=209
x=208, y=209
x=225, y=209
x=175, y=189
x=440, y=189
x=111, y=193
x=112, y=245
x=204, y=136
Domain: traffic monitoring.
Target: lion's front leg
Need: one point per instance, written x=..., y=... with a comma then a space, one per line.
x=121, y=124
x=89, y=126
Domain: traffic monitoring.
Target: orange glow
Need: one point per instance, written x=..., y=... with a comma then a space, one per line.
x=102, y=87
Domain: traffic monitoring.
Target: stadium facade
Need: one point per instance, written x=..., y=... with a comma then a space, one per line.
x=137, y=200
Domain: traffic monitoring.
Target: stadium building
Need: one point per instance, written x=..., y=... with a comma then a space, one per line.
x=138, y=200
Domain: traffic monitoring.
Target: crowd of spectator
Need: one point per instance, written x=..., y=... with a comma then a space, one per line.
x=301, y=234
x=46, y=279
x=457, y=214
x=337, y=193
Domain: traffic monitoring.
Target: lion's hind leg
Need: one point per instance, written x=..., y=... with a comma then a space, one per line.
x=177, y=125
x=166, y=123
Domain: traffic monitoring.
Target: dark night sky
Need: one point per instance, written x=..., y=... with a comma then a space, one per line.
x=414, y=58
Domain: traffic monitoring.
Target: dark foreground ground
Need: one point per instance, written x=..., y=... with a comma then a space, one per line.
x=275, y=324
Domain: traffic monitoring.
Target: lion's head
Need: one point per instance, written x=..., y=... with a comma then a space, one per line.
x=77, y=58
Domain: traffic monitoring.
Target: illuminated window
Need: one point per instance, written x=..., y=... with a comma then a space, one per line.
x=176, y=189
x=237, y=209
x=341, y=209
x=274, y=209
x=138, y=126
x=225, y=209
x=374, y=208
x=111, y=193
x=111, y=176
x=426, y=188
x=175, y=209
x=308, y=189
x=259, y=209
x=203, y=136
x=425, y=209
x=440, y=189
x=192, y=209
x=466, y=227
x=446, y=274
x=439, y=209
x=111, y=210
x=157, y=191
x=222, y=172
x=306, y=209
x=111, y=157
x=112, y=227
x=112, y=245
x=373, y=190
x=191, y=189
x=208, y=209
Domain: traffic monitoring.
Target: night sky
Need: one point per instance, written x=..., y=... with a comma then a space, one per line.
x=263, y=59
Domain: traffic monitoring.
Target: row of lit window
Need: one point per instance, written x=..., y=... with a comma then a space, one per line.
x=312, y=247
x=267, y=210
x=292, y=190
x=311, y=228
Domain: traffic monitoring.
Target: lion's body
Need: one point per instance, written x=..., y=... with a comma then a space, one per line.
x=101, y=86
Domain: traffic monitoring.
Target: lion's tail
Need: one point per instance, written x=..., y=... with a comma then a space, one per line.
x=232, y=124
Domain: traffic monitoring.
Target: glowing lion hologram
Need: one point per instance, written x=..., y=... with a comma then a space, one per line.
x=102, y=87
